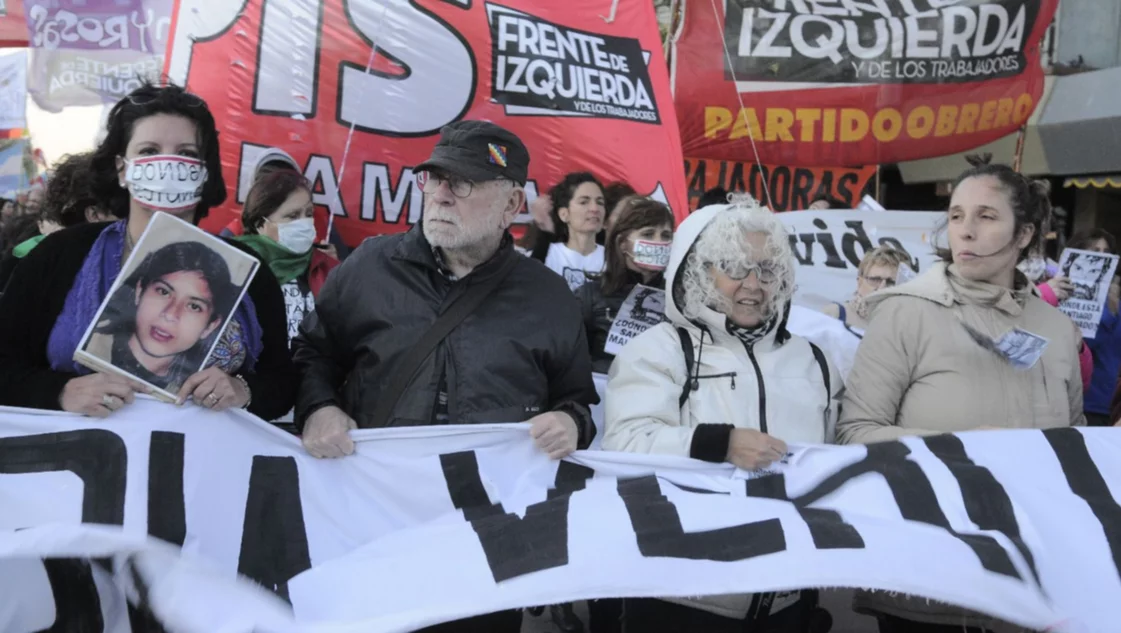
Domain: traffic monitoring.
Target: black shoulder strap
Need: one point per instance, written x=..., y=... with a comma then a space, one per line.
x=687, y=350
x=464, y=305
x=824, y=365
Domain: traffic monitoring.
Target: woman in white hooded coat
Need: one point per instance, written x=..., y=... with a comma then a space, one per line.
x=748, y=388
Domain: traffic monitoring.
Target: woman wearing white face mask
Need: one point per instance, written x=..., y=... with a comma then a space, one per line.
x=637, y=252
x=160, y=155
x=279, y=226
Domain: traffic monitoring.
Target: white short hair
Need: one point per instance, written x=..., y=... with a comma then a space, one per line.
x=725, y=240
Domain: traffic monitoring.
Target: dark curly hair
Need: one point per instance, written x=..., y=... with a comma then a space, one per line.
x=70, y=190
x=148, y=100
x=562, y=194
x=1029, y=199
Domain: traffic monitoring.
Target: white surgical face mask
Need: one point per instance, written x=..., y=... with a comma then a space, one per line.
x=166, y=182
x=651, y=255
x=297, y=236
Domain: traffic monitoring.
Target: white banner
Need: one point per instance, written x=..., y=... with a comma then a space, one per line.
x=13, y=91
x=828, y=247
x=424, y=525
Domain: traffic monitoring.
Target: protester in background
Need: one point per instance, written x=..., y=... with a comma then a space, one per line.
x=613, y=195
x=380, y=320
x=578, y=214
x=58, y=288
x=878, y=269
x=637, y=252
x=716, y=195
x=280, y=227
x=1105, y=347
x=931, y=359
x=68, y=200
x=826, y=202
x=737, y=389
x=272, y=160
x=7, y=209
x=1054, y=291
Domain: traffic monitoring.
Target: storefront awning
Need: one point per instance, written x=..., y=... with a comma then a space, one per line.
x=1081, y=124
x=1108, y=181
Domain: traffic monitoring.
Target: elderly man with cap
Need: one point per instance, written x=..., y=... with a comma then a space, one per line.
x=447, y=323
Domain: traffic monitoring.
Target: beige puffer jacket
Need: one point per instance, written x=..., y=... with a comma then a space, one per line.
x=919, y=372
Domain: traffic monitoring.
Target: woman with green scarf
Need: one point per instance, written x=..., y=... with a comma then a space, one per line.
x=279, y=225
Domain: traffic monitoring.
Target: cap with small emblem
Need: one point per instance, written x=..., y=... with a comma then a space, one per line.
x=479, y=151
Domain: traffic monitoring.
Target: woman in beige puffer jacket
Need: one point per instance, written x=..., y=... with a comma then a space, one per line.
x=939, y=355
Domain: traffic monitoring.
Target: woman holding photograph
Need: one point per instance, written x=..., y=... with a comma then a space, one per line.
x=57, y=290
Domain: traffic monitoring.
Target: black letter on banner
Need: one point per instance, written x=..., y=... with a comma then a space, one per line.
x=100, y=460
x=986, y=501
x=828, y=529
x=915, y=497
x=1086, y=481
x=167, y=511
x=657, y=525
x=514, y=546
x=274, y=545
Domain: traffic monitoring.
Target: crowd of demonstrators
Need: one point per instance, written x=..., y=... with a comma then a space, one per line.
x=879, y=268
x=637, y=252
x=940, y=346
x=722, y=381
x=55, y=292
x=449, y=324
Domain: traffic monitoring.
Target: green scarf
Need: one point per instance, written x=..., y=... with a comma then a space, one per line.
x=285, y=264
x=23, y=248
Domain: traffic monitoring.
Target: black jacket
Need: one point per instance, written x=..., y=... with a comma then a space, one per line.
x=521, y=353
x=37, y=292
x=599, y=314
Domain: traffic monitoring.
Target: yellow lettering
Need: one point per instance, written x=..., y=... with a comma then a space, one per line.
x=829, y=126
x=716, y=119
x=887, y=124
x=988, y=112
x=967, y=124
x=947, y=120
x=1024, y=106
x=1004, y=113
x=920, y=121
x=747, y=125
x=807, y=117
x=854, y=125
x=779, y=121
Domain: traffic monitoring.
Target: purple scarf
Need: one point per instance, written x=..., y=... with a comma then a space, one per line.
x=100, y=269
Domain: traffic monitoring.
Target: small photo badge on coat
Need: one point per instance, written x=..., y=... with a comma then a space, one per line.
x=1019, y=348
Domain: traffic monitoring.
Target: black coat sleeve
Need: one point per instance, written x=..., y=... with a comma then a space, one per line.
x=571, y=389
x=319, y=350
x=541, y=245
x=29, y=308
x=273, y=381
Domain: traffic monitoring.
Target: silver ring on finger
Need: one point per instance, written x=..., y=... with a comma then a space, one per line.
x=211, y=400
x=109, y=402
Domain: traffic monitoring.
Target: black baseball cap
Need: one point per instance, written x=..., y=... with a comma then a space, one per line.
x=479, y=151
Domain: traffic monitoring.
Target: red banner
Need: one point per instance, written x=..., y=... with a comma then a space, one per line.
x=790, y=188
x=582, y=93
x=13, y=25
x=840, y=82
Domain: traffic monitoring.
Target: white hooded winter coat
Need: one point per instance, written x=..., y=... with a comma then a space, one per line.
x=775, y=386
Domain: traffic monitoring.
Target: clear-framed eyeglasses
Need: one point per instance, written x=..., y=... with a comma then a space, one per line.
x=430, y=182
x=765, y=272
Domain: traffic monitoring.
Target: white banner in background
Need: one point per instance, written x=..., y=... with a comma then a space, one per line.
x=828, y=247
x=13, y=91
x=425, y=525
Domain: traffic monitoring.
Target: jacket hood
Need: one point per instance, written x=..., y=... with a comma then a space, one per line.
x=683, y=241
